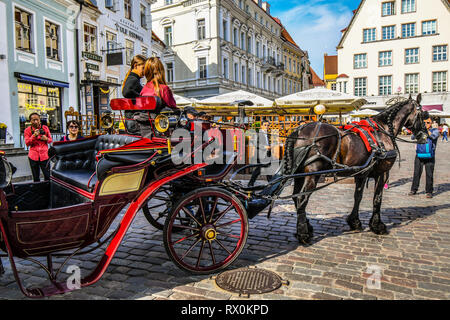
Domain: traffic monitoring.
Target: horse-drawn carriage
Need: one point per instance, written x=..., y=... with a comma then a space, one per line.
x=204, y=217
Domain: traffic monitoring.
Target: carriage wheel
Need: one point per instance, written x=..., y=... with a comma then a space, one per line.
x=214, y=230
x=158, y=205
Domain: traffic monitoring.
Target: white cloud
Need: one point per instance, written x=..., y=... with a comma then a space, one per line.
x=315, y=26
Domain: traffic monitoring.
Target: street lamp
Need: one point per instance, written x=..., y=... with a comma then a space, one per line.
x=87, y=74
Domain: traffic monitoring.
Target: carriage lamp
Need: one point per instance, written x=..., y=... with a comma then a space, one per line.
x=163, y=122
x=319, y=109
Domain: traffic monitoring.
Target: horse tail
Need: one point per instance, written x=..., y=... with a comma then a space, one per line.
x=289, y=151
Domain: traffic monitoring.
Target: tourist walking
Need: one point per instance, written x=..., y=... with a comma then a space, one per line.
x=425, y=157
x=445, y=132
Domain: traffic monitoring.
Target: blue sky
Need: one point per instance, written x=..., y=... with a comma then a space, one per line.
x=315, y=25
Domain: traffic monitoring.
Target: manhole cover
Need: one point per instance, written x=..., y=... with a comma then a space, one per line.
x=249, y=281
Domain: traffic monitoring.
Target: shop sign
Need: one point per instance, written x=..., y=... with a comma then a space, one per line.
x=91, y=66
x=92, y=56
x=128, y=32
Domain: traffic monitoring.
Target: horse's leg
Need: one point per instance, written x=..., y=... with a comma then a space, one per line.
x=353, y=219
x=298, y=184
x=304, y=228
x=375, y=223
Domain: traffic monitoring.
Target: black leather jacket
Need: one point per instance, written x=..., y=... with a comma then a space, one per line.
x=132, y=87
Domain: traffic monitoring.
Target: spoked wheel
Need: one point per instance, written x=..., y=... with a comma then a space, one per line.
x=214, y=230
x=158, y=205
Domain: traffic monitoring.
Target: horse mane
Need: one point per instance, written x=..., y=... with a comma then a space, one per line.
x=388, y=114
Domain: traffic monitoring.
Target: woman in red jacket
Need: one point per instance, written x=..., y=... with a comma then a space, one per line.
x=38, y=137
x=156, y=83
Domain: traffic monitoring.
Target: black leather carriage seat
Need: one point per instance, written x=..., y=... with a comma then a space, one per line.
x=76, y=162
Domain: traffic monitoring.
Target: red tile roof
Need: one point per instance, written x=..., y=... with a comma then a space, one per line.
x=317, y=82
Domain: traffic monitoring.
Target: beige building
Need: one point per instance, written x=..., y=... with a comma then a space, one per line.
x=397, y=48
x=218, y=46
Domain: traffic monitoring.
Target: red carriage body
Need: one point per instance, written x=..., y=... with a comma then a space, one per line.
x=92, y=180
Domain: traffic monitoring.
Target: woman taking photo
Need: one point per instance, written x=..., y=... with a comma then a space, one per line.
x=73, y=127
x=156, y=83
x=131, y=87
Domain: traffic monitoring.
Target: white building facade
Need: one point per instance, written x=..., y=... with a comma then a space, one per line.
x=397, y=48
x=111, y=33
x=217, y=46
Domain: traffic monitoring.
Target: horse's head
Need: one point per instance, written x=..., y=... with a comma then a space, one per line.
x=415, y=120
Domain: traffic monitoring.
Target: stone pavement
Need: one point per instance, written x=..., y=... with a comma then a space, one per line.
x=413, y=260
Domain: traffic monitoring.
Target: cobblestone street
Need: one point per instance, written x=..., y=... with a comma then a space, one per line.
x=414, y=258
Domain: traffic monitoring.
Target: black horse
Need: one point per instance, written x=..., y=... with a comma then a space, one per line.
x=346, y=149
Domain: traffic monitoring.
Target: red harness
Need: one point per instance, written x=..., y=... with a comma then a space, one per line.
x=365, y=129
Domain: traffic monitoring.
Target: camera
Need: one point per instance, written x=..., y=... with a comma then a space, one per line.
x=41, y=131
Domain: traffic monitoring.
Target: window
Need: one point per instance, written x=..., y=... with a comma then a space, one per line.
x=408, y=30
x=429, y=27
x=201, y=29
x=257, y=49
x=360, y=61
x=167, y=2
x=408, y=6
x=258, y=79
x=144, y=51
x=111, y=41
x=242, y=40
x=236, y=72
x=170, y=74
x=225, y=68
x=225, y=30
x=243, y=74
x=22, y=21
x=32, y=96
x=90, y=38
x=202, y=70
x=129, y=51
x=168, y=36
x=384, y=85
x=360, y=86
x=440, y=81
x=235, y=37
x=249, y=44
x=345, y=86
x=127, y=8
x=113, y=92
x=412, y=56
x=250, y=76
x=385, y=58
x=143, y=17
x=52, y=40
x=412, y=83
x=440, y=53
x=388, y=32
x=333, y=86
x=369, y=35
x=388, y=8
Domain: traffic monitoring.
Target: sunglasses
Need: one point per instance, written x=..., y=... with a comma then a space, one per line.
x=427, y=121
x=73, y=127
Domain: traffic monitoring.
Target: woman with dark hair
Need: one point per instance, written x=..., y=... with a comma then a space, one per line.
x=73, y=127
x=156, y=83
x=131, y=87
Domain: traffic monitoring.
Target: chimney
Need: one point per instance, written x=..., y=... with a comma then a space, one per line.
x=266, y=7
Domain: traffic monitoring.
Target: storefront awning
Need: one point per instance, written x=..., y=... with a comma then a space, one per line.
x=432, y=107
x=42, y=81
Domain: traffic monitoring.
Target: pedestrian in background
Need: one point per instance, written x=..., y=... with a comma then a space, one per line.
x=37, y=138
x=73, y=127
x=425, y=157
x=445, y=132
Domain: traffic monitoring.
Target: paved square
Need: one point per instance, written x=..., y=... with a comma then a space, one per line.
x=413, y=260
